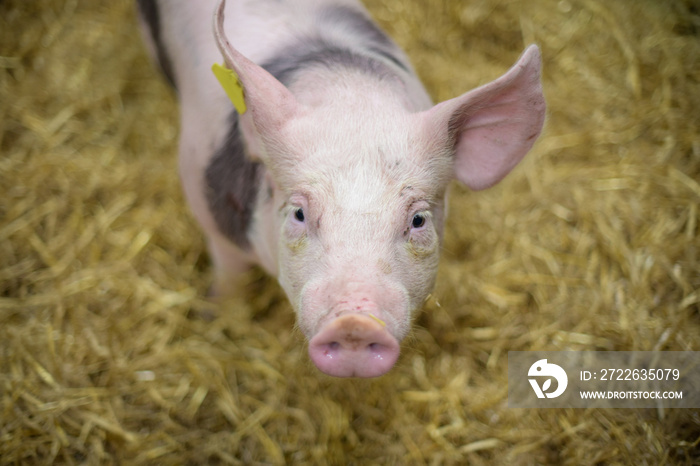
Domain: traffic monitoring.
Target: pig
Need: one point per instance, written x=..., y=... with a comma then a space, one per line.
x=334, y=179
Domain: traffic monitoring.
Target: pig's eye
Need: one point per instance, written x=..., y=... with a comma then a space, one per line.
x=418, y=221
x=299, y=214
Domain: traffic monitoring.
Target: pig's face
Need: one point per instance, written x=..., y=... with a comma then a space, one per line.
x=361, y=218
x=360, y=207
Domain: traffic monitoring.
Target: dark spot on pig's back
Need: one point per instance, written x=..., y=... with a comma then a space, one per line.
x=357, y=21
x=149, y=12
x=232, y=182
x=373, y=38
x=317, y=52
x=369, y=51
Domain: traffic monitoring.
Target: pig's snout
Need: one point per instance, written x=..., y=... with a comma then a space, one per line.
x=354, y=345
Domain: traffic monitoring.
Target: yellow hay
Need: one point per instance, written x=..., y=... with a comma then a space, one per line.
x=111, y=354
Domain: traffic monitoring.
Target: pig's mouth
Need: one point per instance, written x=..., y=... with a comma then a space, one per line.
x=354, y=345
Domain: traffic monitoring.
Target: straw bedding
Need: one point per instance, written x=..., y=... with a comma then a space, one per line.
x=110, y=352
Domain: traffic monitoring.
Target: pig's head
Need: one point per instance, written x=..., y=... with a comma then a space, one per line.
x=358, y=187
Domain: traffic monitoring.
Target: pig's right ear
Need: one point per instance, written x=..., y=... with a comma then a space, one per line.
x=270, y=104
x=490, y=129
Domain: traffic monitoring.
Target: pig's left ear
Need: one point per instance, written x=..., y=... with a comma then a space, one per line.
x=269, y=102
x=491, y=128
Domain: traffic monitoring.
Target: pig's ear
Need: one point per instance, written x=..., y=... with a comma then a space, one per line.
x=491, y=128
x=268, y=101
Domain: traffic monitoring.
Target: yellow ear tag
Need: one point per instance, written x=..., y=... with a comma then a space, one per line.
x=232, y=85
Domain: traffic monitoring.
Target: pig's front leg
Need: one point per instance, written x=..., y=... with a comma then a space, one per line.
x=229, y=263
x=220, y=185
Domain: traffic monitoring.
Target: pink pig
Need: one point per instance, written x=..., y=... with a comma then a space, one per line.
x=334, y=179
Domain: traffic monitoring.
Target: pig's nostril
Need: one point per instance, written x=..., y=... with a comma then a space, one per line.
x=378, y=351
x=330, y=350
